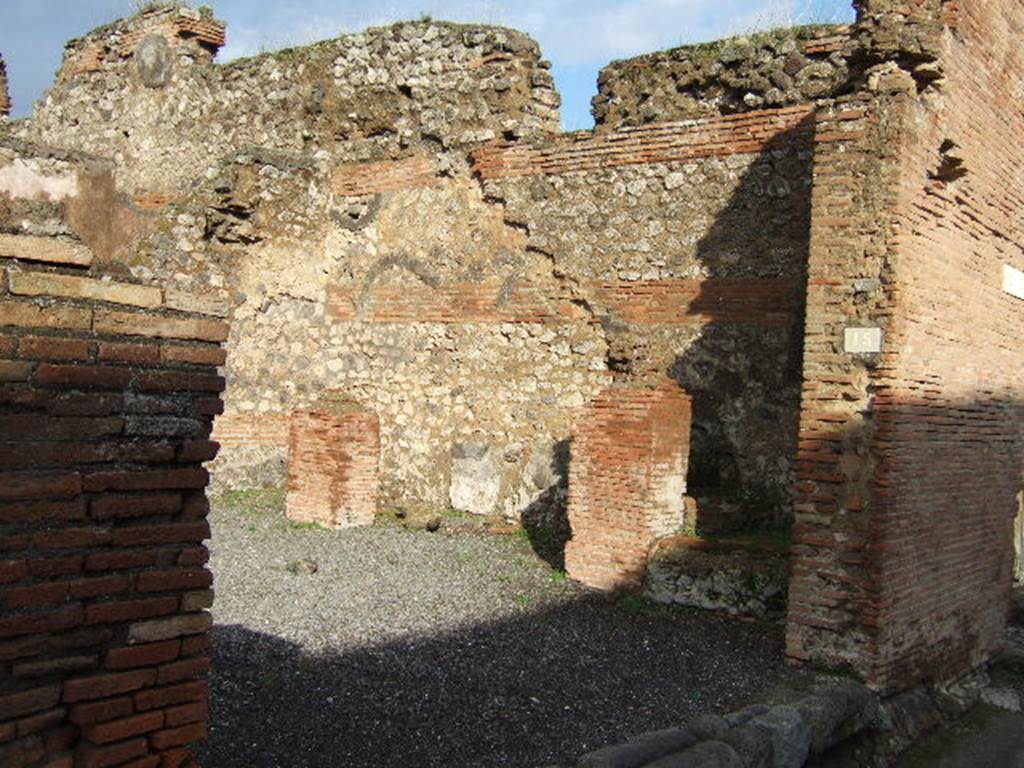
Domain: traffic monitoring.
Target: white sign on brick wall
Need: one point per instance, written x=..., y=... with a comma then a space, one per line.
x=863, y=341
x=1013, y=281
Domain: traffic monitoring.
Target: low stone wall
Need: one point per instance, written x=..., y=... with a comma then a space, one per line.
x=736, y=578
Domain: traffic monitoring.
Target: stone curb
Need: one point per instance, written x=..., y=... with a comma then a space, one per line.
x=760, y=736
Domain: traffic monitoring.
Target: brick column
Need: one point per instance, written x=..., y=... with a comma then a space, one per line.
x=333, y=466
x=834, y=560
x=911, y=442
x=627, y=477
x=107, y=401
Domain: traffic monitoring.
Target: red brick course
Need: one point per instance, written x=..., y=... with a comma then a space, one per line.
x=748, y=301
x=388, y=176
x=627, y=478
x=746, y=133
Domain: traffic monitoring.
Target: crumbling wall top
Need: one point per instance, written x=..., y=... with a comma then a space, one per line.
x=149, y=36
x=384, y=93
x=5, y=96
x=769, y=69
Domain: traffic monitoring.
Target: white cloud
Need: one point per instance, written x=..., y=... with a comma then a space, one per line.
x=570, y=31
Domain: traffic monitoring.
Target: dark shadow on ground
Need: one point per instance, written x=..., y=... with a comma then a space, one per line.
x=523, y=693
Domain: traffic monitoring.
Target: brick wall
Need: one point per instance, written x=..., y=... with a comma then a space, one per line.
x=911, y=460
x=627, y=478
x=830, y=578
x=746, y=133
x=106, y=403
x=333, y=466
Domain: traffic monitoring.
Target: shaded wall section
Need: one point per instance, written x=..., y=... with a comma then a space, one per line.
x=686, y=244
x=107, y=396
x=475, y=316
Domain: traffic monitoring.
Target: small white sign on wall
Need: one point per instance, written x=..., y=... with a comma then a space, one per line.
x=863, y=341
x=1013, y=281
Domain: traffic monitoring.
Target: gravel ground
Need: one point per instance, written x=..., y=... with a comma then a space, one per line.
x=458, y=649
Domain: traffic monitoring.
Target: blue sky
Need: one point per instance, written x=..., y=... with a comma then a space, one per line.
x=579, y=36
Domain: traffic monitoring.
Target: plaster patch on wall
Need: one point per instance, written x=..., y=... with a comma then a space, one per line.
x=24, y=179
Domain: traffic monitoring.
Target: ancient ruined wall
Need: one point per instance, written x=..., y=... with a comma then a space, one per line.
x=475, y=317
x=5, y=94
x=423, y=305
x=145, y=91
x=107, y=394
x=686, y=243
x=763, y=70
x=364, y=248
x=911, y=458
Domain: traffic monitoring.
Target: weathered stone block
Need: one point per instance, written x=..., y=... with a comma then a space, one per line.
x=789, y=733
x=44, y=249
x=707, y=754
x=476, y=476
x=155, y=61
x=641, y=750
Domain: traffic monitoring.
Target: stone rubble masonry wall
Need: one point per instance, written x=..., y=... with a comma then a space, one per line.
x=5, y=94
x=686, y=244
x=911, y=461
x=172, y=115
x=107, y=397
x=333, y=467
x=477, y=313
x=627, y=479
x=763, y=70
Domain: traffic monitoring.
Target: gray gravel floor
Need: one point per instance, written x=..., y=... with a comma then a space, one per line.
x=452, y=649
